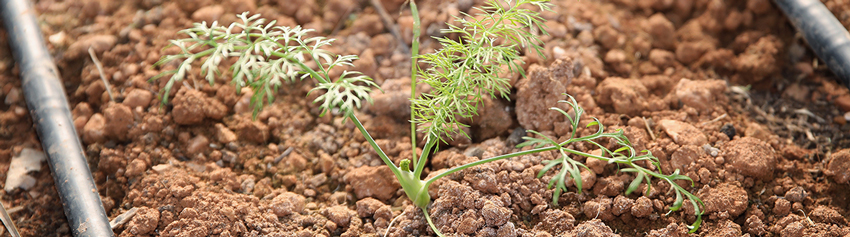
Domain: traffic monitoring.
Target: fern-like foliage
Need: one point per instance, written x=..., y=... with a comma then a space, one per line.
x=466, y=69
x=624, y=155
x=267, y=55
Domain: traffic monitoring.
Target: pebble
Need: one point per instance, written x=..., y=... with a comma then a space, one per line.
x=729, y=130
x=711, y=150
x=138, y=98
x=208, y=14
x=94, y=130
x=683, y=133
x=98, y=43
x=13, y=97
x=198, y=145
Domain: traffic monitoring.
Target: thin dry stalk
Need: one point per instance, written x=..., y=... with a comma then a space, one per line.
x=648, y=128
x=388, y=22
x=100, y=71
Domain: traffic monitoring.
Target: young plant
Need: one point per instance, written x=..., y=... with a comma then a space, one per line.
x=460, y=74
x=266, y=56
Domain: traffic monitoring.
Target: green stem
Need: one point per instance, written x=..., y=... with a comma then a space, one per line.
x=462, y=167
x=375, y=146
x=431, y=223
x=414, y=187
x=423, y=159
x=313, y=73
x=414, y=70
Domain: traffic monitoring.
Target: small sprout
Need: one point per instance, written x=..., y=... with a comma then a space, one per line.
x=405, y=165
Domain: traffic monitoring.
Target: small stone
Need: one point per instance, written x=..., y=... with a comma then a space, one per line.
x=729, y=130
x=340, y=215
x=287, y=203
x=208, y=14
x=683, y=133
x=793, y=229
x=700, y=94
x=642, y=207
x=13, y=97
x=369, y=23
x=755, y=226
x=797, y=92
x=593, y=227
x=725, y=197
x=839, y=166
x=757, y=130
x=662, y=30
x=94, y=130
x=597, y=165
x=119, y=120
x=627, y=96
x=138, y=98
x=223, y=134
x=188, y=107
x=796, y=194
x=161, y=168
x=135, y=168
x=598, y=208
x=197, y=145
x=507, y=230
x=825, y=214
x=750, y=157
x=615, y=56
x=782, y=207
x=368, y=206
x=495, y=215
x=622, y=205
x=98, y=43
x=378, y=182
x=253, y=131
x=144, y=222
x=662, y=58
x=689, y=52
x=683, y=157
x=82, y=109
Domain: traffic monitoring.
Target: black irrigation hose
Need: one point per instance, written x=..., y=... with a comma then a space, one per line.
x=50, y=111
x=823, y=32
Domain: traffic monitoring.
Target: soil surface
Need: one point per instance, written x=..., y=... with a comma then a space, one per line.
x=723, y=90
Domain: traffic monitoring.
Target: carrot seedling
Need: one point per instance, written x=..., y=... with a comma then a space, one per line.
x=460, y=74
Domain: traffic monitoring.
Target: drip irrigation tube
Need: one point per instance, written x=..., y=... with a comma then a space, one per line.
x=823, y=32
x=49, y=108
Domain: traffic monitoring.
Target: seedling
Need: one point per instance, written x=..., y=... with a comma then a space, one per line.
x=460, y=74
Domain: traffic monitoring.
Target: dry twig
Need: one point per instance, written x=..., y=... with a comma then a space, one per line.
x=100, y=70
x=388, y=22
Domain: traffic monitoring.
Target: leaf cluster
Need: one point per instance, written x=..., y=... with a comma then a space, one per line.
x=469, y=67
x=266, y=55
x=624, y=155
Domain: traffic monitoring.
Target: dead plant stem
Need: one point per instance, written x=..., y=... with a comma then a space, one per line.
x=100, y=71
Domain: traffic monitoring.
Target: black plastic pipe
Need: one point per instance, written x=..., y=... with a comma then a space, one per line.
x=823, y=32
x=49, y=108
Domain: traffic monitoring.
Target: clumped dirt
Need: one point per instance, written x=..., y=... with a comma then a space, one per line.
x=721, y=90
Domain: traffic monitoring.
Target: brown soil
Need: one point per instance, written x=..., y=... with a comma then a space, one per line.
x=768, y=161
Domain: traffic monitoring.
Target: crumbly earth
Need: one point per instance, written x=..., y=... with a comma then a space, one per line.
x=770, y=159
